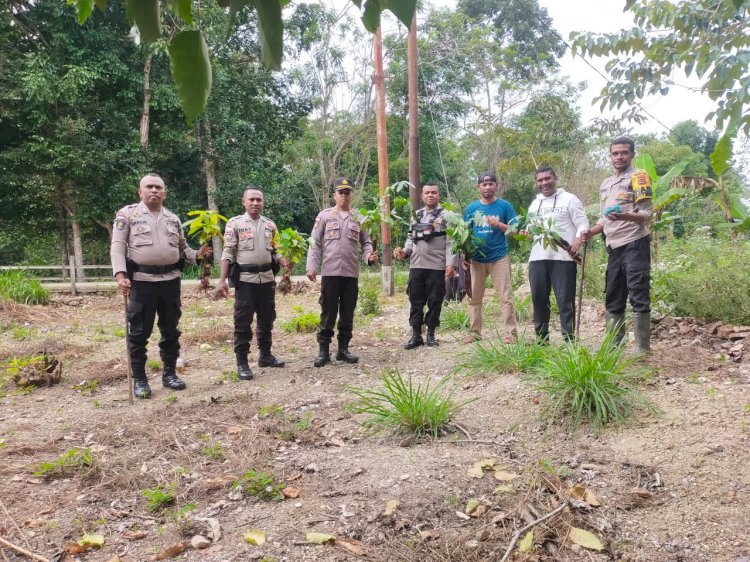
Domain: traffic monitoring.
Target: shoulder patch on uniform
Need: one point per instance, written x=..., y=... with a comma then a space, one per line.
x=228, y=232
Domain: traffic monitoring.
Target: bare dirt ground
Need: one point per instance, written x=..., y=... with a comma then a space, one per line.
x=673, y=487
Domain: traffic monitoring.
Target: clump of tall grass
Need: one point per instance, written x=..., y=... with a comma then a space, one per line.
x=454, y=317
x=405, y=407
x=17, y=286
x=585, y=385
x=488, y=357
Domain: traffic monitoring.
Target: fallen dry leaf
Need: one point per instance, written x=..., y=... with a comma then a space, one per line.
x=429, y=534
x=290, y=492
x=34, y=523
x=391, y=506
x=504, y=489
x=352, y=546
x=134, y=535
x=471, y=506
x=581, y=493
x=172, y=551
x=234, y=430
x=255, y=536
x=504, y=476
x=478, y=468
x=527, y=542
x=319, y=538
x=74, y=548
x=480, y=511
x=586, y=539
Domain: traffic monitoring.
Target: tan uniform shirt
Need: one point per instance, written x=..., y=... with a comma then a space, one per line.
x=436, y=252
x=250, y=242
x=336, y=236
x=148, y=238
x=618, y=190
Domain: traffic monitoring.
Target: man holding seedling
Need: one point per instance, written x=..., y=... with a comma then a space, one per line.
x=554, y=268
x=490, y=217
x=625, y=215
x=249, y=261
x=336, y=238
x=148, y=253
x=431, y=263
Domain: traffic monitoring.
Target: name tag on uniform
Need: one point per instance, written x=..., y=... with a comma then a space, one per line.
x=625, y=197
x=246, y=234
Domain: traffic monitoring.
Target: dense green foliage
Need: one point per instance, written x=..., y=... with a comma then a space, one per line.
x=17, y=286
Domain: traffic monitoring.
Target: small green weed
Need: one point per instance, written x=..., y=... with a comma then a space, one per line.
x=492, y=356
x=230, y=376
x=562, y=471
x=96, y=404
x=261, y=485
x=270, y=411
x=454, y=317
x=16, y=285
x=585, y=385
x=160, y=496
x=402, y=406
x=21, y=333
x=155, y=365
x=523, y=307
x=171, y=399
x=72, y=460
x=88, y=387
x=304, y=322
x=118, y=332
x=213, y=451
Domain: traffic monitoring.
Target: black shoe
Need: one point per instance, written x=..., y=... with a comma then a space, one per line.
x=172, y=381
x=268, y=360
x=416, y=338
x=324, y=355
x=431, y=340
x=243, y=371
x=141, y=389
x=346, y=356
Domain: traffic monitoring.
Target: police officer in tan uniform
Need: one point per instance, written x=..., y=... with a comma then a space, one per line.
x=336, y=236
x=249, y=253
x=148, y=252
x=431, y=263
x=625, y=216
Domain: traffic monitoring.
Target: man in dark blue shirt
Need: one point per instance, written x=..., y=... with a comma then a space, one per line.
x=491, y=218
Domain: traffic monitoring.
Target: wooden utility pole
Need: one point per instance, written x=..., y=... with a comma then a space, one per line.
x=385, y=204
x=411, y=63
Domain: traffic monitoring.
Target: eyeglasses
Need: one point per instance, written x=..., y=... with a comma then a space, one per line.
x=344, y=191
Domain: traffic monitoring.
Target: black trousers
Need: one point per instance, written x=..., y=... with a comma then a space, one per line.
x=426, y=286
x=559, y=276
x=338, y=297
x=629, y=275
x=146, y=300
x=249, y=299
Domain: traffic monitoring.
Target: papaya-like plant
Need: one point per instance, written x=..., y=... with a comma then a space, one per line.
x=204, y=226
x=292, y=246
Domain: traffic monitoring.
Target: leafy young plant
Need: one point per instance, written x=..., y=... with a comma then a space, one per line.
x=292, y=246
x=461, y=233
x=369, y=301
x=400, y=212
x=404, y=407
x=204, y=226
x=304, y=322
x=160, y=496
x=261, y=485
x=492, y=356
x=585, y=385
x=72, y=460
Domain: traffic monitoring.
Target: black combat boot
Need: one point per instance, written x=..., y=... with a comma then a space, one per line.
x=344, y=354
x=324, y=355
x=267, y=359
x=416, y=338
x=141, y=389
x=431, y=339
x=243, y=369
x=169, y=377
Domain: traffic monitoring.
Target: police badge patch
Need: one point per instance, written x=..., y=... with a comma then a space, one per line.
x=640, y=182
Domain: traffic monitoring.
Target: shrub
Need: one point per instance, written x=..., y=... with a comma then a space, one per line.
x=402, y=406
x=585, y=385
x=703, y=277
x=17, y=286
x=302, y=322
x=369, y=300
x=492, y=356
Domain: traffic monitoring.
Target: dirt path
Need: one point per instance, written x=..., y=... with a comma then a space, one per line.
x=674, y=487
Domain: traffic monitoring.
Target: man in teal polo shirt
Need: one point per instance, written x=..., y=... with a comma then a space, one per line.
x=490, y=217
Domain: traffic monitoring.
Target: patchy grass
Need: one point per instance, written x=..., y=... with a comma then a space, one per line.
x=260, y=485
x=72, y=461
x=159, y=497
x=454, y=317
x=492, y=356
x=303, y=322
x=404, y=407
x=585, y=385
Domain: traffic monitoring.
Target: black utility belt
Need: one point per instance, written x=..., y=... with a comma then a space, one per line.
x=425, y=232
x=247, y=268
x=154, y=269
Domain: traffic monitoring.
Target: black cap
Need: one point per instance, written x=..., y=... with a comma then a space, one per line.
x=343, y=183
x=486, y=176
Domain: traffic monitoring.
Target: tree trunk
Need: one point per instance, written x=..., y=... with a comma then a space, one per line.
x=106, y=225
x=146, y=111
x=211, y=186
x=77, y=248
x=63, y=230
